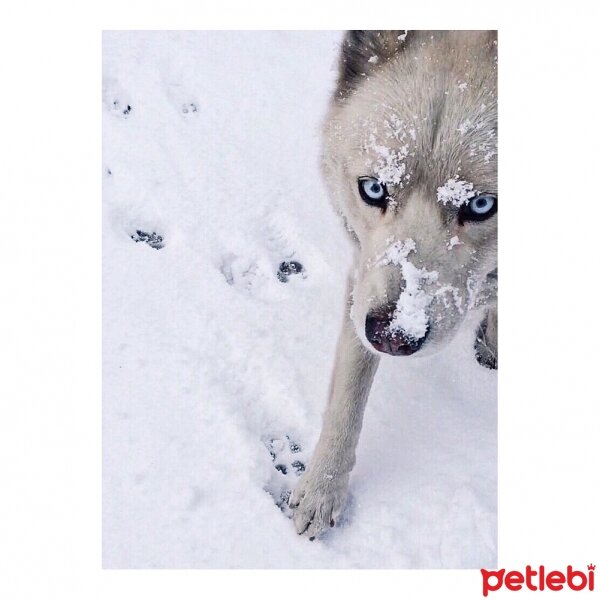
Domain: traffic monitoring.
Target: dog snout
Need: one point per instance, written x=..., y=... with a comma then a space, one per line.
x=385, y=339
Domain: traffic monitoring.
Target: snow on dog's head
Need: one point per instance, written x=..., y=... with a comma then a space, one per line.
x=455, y=192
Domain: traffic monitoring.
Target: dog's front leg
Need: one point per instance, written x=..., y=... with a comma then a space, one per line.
x=321, y=493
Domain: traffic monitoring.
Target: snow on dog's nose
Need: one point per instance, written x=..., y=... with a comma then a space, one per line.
x=400, y=328
x=386, y=338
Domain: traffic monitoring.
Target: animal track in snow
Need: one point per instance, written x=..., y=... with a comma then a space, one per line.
x=289, y=267
x=154, y=240
x=189, y=109
x=116, y=99
x=122, y=109
x=240, y=272
x=289, y=462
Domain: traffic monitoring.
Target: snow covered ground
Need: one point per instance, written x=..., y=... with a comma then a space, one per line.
x=211, y=141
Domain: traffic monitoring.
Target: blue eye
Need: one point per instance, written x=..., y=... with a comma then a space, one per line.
x=479, y=208
x=372, y=191
x=483, y=204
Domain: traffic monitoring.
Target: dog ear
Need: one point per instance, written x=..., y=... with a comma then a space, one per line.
x=364, y=50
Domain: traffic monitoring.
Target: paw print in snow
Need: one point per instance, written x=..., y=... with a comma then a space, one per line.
x=289, y=462
x=189, y=109
x=289, y=267
x=154, y=240
x=122, y=109
x=242, y=273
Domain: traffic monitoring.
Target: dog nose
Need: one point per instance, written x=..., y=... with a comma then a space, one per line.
x=396, y=343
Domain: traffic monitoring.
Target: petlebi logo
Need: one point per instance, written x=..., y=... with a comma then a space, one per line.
x=539, y=579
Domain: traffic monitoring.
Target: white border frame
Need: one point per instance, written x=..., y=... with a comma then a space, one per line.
x=51, y=324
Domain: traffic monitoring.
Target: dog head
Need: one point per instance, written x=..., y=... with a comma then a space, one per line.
x=409, y=157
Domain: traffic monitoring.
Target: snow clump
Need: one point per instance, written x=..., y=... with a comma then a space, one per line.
x=455, y=192
x=410, y=314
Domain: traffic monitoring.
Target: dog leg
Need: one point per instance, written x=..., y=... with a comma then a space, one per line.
x=486, y=340
x=320, y=495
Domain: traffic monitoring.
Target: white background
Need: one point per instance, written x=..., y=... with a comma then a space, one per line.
x=50, y=318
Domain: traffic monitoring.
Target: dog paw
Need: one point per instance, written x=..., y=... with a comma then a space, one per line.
x=317, y=502
x=485, y=348
x=486, y=359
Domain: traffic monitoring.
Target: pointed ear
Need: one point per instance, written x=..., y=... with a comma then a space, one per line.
x=364, y=50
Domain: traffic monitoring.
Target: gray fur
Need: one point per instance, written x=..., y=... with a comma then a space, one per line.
x=419, y=110
x=358, y=49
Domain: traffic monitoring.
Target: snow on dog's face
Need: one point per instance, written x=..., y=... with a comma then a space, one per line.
x=410, y=160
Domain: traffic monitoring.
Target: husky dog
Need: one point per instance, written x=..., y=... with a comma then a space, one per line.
x=410, y=163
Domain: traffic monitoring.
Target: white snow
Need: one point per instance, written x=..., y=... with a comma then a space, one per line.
x=389, y=166
x=410, y=314
x=484, y=146
x=455, y=191
x=208, y=356
x=465, y=126
x=454, y=241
